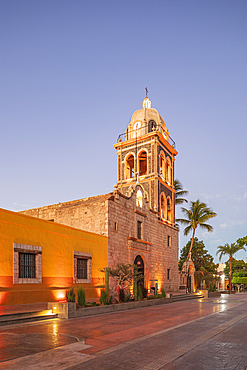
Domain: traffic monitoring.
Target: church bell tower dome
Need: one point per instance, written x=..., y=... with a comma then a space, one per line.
x=146, y=155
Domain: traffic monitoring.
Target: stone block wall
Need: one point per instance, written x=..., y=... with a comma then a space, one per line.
x=115, y=215
x=124, y=246
x=90, y=214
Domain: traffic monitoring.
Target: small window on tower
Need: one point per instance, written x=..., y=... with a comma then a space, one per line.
x=115, y=225
x=168, y=274
x=139, y=230
x=168, y=241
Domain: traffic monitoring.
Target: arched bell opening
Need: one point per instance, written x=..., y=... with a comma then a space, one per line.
x=152, y=125
x=130, y=167
x=142, y=163
x=169, y=209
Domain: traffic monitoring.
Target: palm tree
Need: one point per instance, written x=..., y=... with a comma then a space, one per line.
x=229, y=250
x=197, y=215
x=180, y=192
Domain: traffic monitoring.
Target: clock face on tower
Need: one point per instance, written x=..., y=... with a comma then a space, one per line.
x=136, y=127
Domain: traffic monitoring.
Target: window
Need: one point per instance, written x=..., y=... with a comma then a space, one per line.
x=151, y=126
x=27, y=268
x=168, y=274
x=139, y=198
x=142, y=163
x=163, y=206
x=82, y=267
x=27, y=264
x=168, y=171
x=139, y=230
x=168, y=241
x=130, y=171
x=162, y=165
x=169, y=209
x=115, y=226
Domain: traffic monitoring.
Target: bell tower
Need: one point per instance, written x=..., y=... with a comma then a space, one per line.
x=145, y=156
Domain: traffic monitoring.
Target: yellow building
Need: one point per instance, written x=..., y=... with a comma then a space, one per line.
x=40, y=260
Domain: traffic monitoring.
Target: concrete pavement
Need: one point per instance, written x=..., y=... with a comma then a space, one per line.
x=199, y=334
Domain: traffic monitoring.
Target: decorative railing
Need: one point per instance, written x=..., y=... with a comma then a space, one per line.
x=144, y=130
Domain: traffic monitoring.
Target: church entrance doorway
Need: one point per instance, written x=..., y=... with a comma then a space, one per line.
x=140, y=269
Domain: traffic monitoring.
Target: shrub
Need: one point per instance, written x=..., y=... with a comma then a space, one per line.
x=212, y=288
x=127, y=297
x=95, y=304
x=144, y=292
x=81, y=296
x=70, y=295
x=103, y=297
x=163, y=293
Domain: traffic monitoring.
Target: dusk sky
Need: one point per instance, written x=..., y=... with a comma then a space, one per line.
x=73, y=73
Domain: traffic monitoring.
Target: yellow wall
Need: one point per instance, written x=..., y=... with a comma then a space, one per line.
x=58, y=243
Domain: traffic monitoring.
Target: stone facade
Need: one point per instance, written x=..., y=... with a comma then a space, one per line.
x=144, y=227
x=116, y=215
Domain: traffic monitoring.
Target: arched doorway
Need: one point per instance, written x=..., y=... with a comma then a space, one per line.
x=140, y=269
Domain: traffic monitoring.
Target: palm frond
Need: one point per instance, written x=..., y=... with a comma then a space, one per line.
x=180, y=192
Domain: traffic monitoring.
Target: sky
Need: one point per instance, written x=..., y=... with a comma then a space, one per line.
x=72, y=73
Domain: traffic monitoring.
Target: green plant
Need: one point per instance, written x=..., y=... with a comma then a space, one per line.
x=212, y=288
x=127, y=297
x=180, y=193
x=144, y=292
x=95, y=304
x=103, y=297
x=70, y=295
x=81, y=296
x=139, y=292
x=107, y=280
x=163, y=293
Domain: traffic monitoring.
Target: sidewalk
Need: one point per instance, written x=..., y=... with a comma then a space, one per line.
x=20, y=308
x=127, y=340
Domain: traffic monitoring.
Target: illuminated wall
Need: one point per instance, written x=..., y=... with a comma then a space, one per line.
x=56, y=244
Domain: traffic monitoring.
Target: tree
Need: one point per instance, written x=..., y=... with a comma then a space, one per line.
x=237, y=266
x=205, y=268
x=124, y=275
x=239, y=278
x=242, y=241
x=229, y=250
x=180, y=193
x=197, y=215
